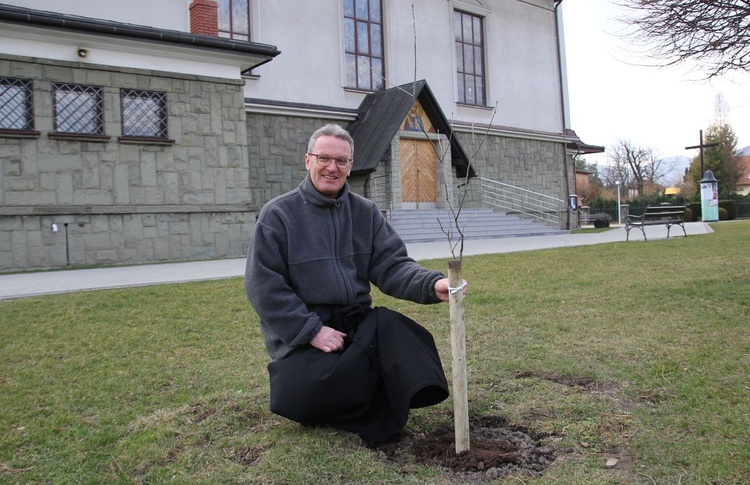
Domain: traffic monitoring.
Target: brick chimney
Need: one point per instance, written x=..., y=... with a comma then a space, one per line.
x=204, y=17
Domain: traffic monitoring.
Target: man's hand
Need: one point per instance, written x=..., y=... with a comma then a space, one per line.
x=442, y=289
x=328, y=340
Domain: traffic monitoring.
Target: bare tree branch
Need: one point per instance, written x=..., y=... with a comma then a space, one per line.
x=714, y=33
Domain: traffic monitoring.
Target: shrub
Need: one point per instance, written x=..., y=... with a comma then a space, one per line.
x=602, y=220
x=731, y=207
x=695, y=209
x=688, y=217
x=723, y=214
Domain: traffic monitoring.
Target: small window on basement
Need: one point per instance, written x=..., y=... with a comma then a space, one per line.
x=144, y=113
x=16, y=104
x=79, y=109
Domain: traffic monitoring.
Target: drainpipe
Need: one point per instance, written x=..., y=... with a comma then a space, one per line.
x=563, y=110
x=67, y=246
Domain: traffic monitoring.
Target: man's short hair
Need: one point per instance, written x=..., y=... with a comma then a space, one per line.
x=331, y=129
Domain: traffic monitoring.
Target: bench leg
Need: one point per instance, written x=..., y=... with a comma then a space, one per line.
x=669, y=226
x=627, y=232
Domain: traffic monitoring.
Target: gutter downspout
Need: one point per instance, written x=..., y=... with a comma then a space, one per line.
x=562, y=112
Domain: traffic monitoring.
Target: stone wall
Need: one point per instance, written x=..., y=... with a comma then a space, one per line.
x=531, y=164
x=76, y=202
x=126, y=201
x=30, y=242
x=277, y=146
x=376, y=185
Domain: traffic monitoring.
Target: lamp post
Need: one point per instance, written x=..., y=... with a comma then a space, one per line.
x=619, y=212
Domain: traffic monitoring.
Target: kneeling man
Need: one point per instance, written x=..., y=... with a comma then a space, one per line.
x=336, y=361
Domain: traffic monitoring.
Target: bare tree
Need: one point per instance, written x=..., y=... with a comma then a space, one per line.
x=457, y=307
x=715, y=33
x=616, y=171
x=630, y=161
x=633, y=166
x=657, y=168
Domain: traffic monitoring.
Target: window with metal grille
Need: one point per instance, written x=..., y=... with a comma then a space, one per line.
x=363, y=45
x=78, y=109
x=234, y=19
x=144, y=113
x=469, y=36
x=16, y=104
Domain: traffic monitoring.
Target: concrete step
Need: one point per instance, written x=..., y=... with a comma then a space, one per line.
x=429, y=225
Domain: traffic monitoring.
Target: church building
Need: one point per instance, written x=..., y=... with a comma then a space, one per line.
x=134, y=132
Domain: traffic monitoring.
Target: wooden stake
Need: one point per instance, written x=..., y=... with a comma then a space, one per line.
x=458, y=350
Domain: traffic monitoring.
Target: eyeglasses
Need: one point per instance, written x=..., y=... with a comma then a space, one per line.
x=325, y=160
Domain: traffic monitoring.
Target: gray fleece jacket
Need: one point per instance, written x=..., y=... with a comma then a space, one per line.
x=311, y=254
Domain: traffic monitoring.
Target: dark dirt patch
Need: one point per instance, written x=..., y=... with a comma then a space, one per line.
x=607, y=391
x=496, y=450
x=246, y=455
x=572, y=381
x=200, y=412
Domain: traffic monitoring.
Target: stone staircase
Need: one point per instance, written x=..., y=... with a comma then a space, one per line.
x=423, y=226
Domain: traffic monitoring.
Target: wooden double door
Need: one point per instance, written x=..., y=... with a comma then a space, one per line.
x=418, y=174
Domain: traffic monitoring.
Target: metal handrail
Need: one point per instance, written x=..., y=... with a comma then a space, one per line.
x=526, y=203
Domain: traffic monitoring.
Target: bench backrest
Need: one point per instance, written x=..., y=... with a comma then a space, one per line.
x=658, y=212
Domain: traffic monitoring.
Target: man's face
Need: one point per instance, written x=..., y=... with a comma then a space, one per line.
x=328, y=179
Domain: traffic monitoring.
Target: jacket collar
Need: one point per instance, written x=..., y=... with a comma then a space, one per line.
x=311, y=195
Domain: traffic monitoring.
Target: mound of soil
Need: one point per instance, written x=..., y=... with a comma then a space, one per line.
x=495, y=450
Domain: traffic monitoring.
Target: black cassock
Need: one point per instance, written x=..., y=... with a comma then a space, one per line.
x=389, y=365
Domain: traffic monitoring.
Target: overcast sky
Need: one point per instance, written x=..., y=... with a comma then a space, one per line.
x=611, y=97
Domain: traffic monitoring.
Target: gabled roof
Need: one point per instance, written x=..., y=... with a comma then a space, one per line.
x=381, y=115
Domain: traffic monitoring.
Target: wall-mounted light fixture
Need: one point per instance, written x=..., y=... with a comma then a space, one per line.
x=82, y=53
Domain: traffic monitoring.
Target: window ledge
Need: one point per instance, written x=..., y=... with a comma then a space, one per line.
x=145, y=140
x=360, y=90
x=55, y=135
x=478, y=106
x=4, y=133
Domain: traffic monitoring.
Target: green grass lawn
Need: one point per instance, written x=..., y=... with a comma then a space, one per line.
x=169, y=383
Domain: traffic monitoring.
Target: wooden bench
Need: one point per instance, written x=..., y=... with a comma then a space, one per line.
x=667, y=215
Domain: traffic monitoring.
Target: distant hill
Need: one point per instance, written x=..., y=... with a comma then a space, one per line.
x=680, y=163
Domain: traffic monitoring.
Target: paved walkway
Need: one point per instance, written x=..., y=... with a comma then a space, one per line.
x=21, y=285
